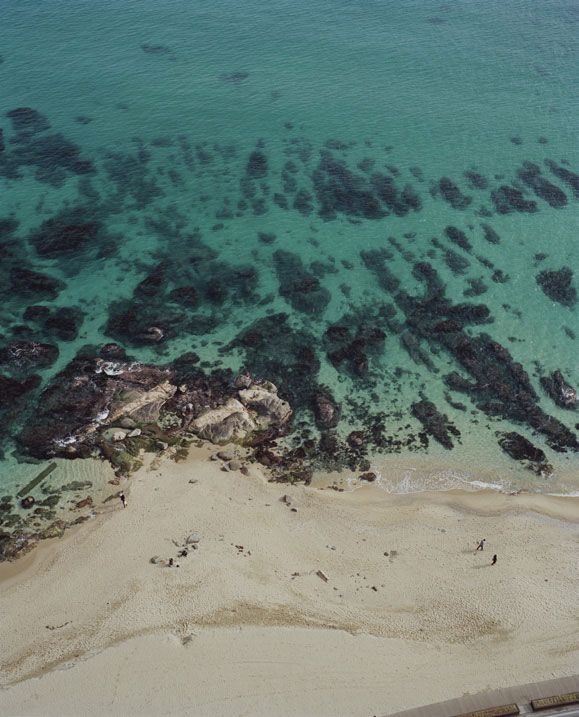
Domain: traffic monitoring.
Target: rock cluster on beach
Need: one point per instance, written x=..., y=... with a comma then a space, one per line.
x=117, y=407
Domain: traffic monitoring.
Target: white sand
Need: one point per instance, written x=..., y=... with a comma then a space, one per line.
x=90, y=627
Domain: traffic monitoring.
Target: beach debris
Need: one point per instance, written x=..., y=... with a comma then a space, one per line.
x=193, y=539
x=156, y=560
x=322, y=575
x=234, y=465
x=27, y=502
x=287, y=499
x=193, y=481
x=134, y=433
x=57, y=627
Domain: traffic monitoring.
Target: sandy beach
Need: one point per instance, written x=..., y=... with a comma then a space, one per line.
x=403, y=612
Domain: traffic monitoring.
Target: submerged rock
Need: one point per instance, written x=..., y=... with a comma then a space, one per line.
x=34, y=285
x=326, y=409
x=559, y=390
x=28, y=120
x=23, y=355
x=298, y=286
x=558, y=286
x=507, y=199
x=435, y=423
x=519, y=448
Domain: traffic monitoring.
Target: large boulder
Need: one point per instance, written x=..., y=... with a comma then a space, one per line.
x=270, y=408
x=230, y=422
x=141, y=404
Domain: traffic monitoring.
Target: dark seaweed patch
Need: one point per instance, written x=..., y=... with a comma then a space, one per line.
x=275, y=350
x=27, y=120
x=452, y=194
x=530, y=174
x=299, y=287
x=565, y=175
x=458, y=237
x=257, y=166
x=70, y=231
x=490, y=234
x=558, y=286
x=340, y=191
x=33, y=285
x=507, y=199
x=476, y=180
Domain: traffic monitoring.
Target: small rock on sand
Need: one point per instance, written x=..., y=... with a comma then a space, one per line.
x=234, y=465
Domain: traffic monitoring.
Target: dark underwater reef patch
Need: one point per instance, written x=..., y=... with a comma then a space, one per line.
x=560, y=390
x=557, y=284
x=274, y=349
x=498, y=385
x=530, y=174
x=27, y=120
x=34, y=285
x=62, y=323
x=355, y=339
x=300, y=288
x=20, y=357
x=71, y=231
x=435, y=423
x=508, y=199
x=52, y=156
x=451, y=193
x=565, y=175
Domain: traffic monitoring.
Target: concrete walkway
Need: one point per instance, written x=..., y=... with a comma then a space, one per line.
x=481, y=703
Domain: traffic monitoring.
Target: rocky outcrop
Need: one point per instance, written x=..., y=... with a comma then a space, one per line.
x=519, y=448
x=435, y=423
x=231, y=422
x=326, y=410
x=119, y=407
x=559, y=390
x=264, y=401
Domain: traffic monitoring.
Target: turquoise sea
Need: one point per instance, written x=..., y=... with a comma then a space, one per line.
x=235, y=162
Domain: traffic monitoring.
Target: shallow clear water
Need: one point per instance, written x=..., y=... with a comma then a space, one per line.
x=169, y=99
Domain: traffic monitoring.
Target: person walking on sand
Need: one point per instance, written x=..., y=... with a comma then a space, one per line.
x=123, y=499
x=494, y=560
x=481, y=544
